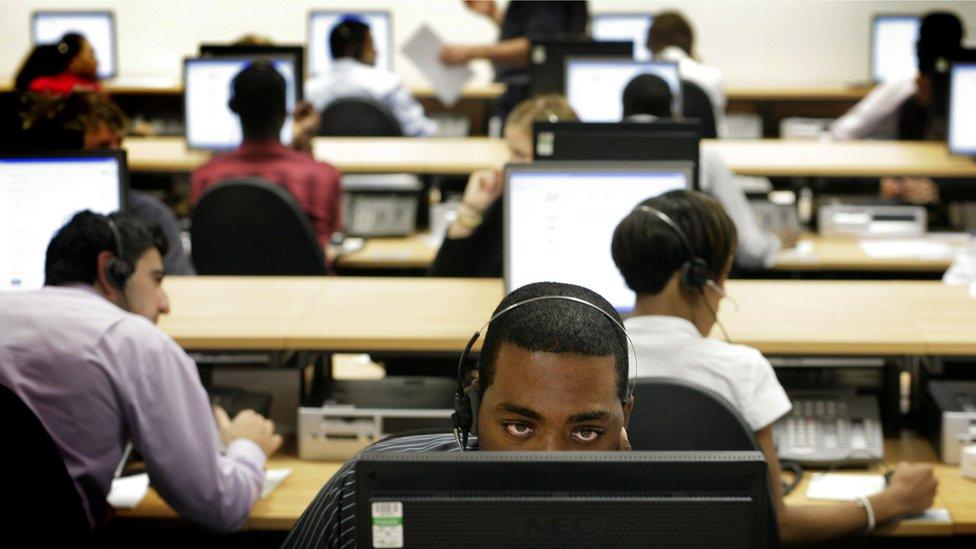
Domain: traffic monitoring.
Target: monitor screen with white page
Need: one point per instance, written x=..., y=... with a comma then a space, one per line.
x=98, y=27
x=39, y=193
x=595, y=86
x=624, y=26
x=207, y=89
x=893, y=39
x=962, y=109
x=560, y=218
x=321, y=23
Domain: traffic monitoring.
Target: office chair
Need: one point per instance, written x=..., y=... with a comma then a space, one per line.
x=358, y=117
x=696, y=104
x=41, y=502
x=675, y=415
x=247, y=226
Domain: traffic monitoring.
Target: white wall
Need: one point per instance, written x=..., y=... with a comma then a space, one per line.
x=753, y=42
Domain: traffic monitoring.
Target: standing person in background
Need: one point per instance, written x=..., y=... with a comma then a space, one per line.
x=473, y=244
x=671, y=38
x=59, y=69
x=353, y=73
x=521, y=24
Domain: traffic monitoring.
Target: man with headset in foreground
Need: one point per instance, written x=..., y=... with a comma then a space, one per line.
x=553, y=376
x=675, y=252
x=85, y=357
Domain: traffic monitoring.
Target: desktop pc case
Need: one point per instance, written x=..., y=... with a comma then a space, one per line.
x=949, y=415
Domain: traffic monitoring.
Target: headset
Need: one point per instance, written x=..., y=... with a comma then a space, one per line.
x=695, y=274
x=118, y=269
x=468, y=399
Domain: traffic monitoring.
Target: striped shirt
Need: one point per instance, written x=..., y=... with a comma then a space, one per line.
x=330, y=520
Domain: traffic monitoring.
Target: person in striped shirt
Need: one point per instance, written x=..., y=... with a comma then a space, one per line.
x=552, y=376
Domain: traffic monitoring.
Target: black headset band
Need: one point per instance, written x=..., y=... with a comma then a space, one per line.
x=116, y=237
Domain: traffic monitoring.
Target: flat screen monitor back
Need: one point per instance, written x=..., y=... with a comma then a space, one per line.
x=98, y=27
x=39, y=193
x=207, y=89
x=547, y=71
x=559, y=219
x=893, y=39
x=562, y=499
x=628, y=142
x=321, y=23
x=624, y=26
x=296, y=53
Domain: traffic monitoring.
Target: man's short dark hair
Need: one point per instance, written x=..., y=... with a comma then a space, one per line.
x=260, y=99
x=648, y=252
x=670, y=28
x=648, y=94
x=72, y=255
x=348, y=39
x=555, y=326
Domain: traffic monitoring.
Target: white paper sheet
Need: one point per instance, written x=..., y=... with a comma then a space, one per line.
x=423, y=49
x=272, y=478
x=127, y=492
x=906, y=247
x=843, y=487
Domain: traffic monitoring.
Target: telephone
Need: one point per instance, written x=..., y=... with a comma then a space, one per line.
x=830, y=429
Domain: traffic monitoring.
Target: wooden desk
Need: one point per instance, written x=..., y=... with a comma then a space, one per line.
x=407, y=252
x=836, y=92
x=797, y=158
x=434, y=155
x=866, y=318
x=955, y=493
x=837, y=253
x=282, y=508
x=945, y=316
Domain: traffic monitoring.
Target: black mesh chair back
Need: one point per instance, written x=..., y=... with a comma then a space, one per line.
x=696, y=104
x=354, y=117
x=674, y=415
x=248, y=226
x=43, y=504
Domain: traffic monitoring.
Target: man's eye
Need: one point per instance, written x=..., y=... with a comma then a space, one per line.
x=518, y=429
x=587, y=435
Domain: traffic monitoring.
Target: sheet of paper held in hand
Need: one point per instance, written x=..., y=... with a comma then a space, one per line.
x=423, y=49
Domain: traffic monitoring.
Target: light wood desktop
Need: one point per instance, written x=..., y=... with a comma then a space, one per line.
x=761, y=157
x=282, y=508
x=816, y=252
x=361, y=314
x=416, y=251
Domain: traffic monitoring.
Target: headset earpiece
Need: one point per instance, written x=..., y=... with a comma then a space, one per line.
x=118, y=269
x=694, y=274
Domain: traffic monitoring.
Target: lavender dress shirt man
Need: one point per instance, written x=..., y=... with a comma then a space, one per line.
x=97, y=376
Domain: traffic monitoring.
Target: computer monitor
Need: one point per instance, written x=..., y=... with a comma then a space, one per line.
x=321, y=23
x=962, y=109
x=560, y=216
x=547, y=60
x=595, y=86
x=39, y=192
x=893, y=39
x=624, y=26
x=661, y=140
x=294, y=52
x=98, y=27
x=207, y=89
x=562, y=499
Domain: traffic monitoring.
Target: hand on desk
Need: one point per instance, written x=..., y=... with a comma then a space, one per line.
x=483, y=189
x=306, y=126
x=912, y=488
x=250, y=425
x=916, y=190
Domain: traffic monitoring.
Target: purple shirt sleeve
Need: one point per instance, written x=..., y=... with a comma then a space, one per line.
x=172, y=425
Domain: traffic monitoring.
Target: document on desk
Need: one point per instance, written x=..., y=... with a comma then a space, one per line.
x=423, y=49
x=921, y=248
x=127, y=492
x=272, y=478
x=844, y=487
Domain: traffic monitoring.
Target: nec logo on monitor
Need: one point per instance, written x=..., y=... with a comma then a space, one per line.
x=556, y=529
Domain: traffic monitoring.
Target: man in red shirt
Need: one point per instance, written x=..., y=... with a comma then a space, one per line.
x=259, y=101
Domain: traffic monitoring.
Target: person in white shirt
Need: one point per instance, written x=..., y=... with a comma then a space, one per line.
x=353, y=74
x=671, y=38
x=647, y=98
x=675, y=252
